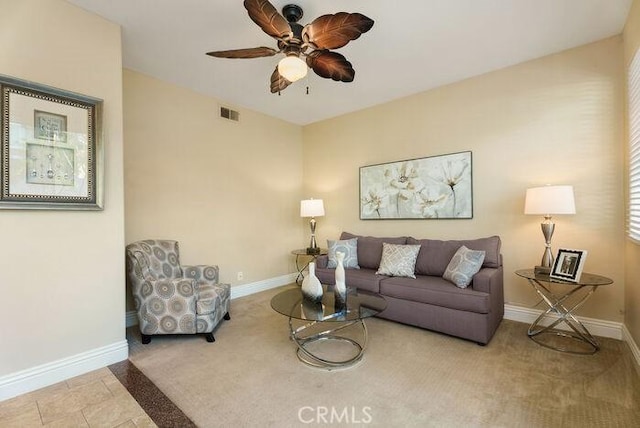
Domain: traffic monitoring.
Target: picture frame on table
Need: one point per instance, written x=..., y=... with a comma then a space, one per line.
x=568, y=264
x=51, y=148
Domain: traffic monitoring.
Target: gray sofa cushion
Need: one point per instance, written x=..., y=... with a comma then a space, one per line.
x=435, y=255
x=436, y=291
x=370, y=248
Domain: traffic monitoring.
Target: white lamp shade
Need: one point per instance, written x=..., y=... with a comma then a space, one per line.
x=311, y=208
x=292, y=68
x=547, y=200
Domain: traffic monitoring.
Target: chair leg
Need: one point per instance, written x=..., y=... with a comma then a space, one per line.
x=146, y=339
x=227, y=316
x=210, y=337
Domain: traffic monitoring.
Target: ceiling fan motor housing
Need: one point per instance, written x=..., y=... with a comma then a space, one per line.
x=292, y=12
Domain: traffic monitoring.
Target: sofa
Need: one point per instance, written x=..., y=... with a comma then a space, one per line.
x=429, y=301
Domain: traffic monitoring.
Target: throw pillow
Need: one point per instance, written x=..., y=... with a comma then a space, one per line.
x=398, y=260
x=463, y=265
x=350, y=249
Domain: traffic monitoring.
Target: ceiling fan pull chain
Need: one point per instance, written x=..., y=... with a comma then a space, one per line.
x=307, y=90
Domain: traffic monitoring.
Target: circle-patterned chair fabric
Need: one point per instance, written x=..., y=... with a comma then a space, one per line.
x=170, y=298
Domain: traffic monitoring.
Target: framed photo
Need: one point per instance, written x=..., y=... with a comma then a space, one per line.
x=437, y=187
x=568, y=265
x=50, y=126
x=51, y=148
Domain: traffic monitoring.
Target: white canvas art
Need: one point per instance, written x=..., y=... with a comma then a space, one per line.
x=437, y=187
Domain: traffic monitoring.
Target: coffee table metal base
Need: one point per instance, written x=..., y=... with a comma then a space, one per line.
x=306, y=335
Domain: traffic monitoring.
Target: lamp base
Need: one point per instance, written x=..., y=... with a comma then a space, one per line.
x=313, y=251
x=541, y=270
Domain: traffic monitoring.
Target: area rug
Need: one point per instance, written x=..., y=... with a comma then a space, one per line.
x=408, y=377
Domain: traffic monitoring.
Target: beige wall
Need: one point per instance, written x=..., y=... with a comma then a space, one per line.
x=229, y=192
x=553, y=120
x=61, y=272
x=631, y=38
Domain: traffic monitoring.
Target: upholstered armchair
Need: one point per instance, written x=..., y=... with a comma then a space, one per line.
x=174, y=299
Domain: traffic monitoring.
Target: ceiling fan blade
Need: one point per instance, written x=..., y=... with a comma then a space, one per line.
x=335, y=31
x=267, y=17
x=244, y=53
x=278, y=83
x=331, y=65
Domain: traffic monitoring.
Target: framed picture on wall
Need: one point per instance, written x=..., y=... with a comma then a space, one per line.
x=51, y=148
x=568, y=265
x=436, y=187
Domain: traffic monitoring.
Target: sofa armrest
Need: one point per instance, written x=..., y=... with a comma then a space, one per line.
x=322, y=261
x=489, y=280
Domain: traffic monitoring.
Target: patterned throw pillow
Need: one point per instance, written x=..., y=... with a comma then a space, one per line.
x=463, y=265
x=398, y=260
x=350, y=249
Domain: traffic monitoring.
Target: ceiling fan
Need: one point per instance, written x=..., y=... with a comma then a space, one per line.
x=312, y=41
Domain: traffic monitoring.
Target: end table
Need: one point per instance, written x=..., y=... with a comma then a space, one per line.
x=561, y=309
x=312, y=258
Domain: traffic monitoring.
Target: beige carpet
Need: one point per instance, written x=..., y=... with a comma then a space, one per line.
x=409, y=377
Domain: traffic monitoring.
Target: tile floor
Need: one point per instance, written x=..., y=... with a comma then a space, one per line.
x=95, y=399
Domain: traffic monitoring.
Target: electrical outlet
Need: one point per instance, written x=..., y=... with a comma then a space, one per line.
x=240, y=276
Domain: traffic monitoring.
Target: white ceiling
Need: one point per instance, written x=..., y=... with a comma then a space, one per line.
x=414, y=45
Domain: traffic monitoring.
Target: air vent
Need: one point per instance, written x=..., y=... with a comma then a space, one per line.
x=227, y=113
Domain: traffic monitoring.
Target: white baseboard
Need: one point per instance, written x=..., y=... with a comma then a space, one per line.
x=596, y=327
x=267, y=284
x=632, y=344
x=47, y=374
x=131, y=318
x=237, y=291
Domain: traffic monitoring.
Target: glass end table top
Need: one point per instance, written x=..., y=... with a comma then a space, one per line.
x=303, y=252
x=360, y=304
x=589, y=279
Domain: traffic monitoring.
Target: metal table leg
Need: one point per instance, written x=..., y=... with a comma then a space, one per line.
x=328, y=334
x=300, y=270
x=558, y=306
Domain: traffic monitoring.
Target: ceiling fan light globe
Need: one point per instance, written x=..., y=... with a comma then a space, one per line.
x=292, y=68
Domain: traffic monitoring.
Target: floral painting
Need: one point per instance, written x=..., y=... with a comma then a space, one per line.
x=437, y=187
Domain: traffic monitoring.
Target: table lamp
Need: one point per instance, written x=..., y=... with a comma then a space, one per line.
x=312, y=208
x=547, y=201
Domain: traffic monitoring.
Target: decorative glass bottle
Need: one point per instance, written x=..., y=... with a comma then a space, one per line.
x=340, y=289
x=311, y=287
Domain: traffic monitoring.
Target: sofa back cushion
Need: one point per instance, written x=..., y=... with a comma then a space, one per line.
x=370, y=249
x=435, y=255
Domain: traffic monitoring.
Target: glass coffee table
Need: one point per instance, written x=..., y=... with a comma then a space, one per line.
x=326, y=336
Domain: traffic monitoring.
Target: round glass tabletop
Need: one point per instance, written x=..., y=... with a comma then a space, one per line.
x=588, y=279
x=360, y=304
